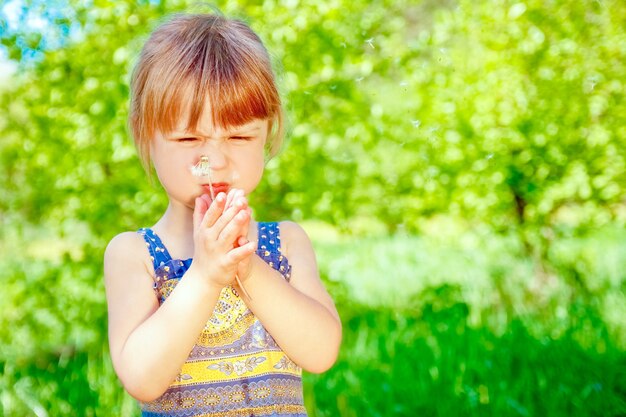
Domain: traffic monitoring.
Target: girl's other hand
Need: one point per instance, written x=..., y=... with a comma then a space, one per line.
x=236, y=197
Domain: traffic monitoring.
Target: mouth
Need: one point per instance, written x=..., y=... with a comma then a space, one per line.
x=218, y=187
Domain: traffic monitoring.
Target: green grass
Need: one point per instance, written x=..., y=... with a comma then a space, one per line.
x=463, y=324
x=459, y=325
x=428, y=361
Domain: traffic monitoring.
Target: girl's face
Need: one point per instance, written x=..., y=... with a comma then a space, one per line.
x=236, y=156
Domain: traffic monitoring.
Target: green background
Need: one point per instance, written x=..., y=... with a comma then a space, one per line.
x=459, y=165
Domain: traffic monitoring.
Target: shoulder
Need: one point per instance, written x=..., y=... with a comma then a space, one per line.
x=294, y=238
x=292, y=231
x=125, y=243
x=125, y=248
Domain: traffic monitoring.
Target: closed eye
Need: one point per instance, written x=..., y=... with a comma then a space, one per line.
x=189, y=139
x=241, y=138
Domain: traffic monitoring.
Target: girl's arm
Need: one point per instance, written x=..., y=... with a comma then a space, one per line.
x=300, y=314
x=148, y=343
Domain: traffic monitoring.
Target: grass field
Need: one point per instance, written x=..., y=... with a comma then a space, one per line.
x=458, y=324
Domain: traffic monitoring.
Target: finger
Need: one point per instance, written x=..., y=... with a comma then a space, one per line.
x=241, y=195
x=239, y=254
x=214, y=211
x=245, y=229
x=242, y=240
x=240, y=202
x=229, y=213
x=229, y=198
x=233, y=195
x=234, y=229
x=207, y=198
x=199, y=209
x=220, y=197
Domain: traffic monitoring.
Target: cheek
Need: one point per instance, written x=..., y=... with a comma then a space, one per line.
x=253, y=168
x=253, y=158
x=171, y=168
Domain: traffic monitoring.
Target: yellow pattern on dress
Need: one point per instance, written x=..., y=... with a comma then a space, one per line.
x=230, y=318
x=253, y=364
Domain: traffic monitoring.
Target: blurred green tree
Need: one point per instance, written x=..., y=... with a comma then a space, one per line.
x=498, y=112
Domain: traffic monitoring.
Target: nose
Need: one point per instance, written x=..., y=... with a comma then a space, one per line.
x=215, y=156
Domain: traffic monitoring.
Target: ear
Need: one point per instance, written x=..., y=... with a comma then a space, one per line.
x=275, y=134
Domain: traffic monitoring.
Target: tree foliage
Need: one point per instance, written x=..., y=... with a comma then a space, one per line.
x=509, y=113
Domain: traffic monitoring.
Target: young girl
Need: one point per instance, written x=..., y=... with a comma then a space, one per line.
x=210, y=312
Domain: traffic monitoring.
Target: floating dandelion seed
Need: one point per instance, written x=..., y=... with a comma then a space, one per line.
x=358, y=80
x=343, y=45
x=490, y=156
x=403, y=84
x=416, y=123
x=592, y=82
x=333, y=87
x=370, y=42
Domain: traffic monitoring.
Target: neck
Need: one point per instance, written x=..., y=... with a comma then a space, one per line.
x=175, y=228
x=177, y=220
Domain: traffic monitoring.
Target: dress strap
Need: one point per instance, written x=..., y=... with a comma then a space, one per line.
x=158, y=252
x=269, y=248
x=269, y=236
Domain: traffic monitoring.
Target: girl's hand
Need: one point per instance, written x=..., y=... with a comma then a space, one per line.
x=236, y=195
x=245, y=267
x=217, y=229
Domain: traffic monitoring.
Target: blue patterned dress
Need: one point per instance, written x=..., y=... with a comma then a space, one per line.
x=236, y=368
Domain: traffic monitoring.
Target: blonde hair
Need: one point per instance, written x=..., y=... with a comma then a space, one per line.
x=192, y=58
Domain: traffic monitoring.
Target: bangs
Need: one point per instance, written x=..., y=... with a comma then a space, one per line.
x=218, y=62
x=236, y=91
